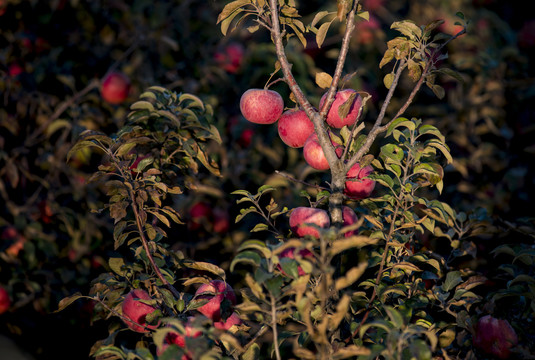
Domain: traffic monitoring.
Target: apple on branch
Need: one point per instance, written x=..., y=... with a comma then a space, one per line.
x=136, y=309
x=304, y=219
x=314, y=155
x=295, y=127
x=261, y=106
x=343, y=98
x=176, y=338
x=220, y=298
x=358, y=186
x=349, y=217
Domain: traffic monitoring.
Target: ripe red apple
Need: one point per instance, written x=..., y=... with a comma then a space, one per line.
x=232, y=320
x=495, y=337
x=295, y=127
x=261, y=106
x=200, y=214
x=301, y=216
x=314, y=155
x=5, y=301
x=178, y=339
x=216, y=291
x=230, y=58
x=365, y=31
x=115, y=87
x=358, y=186
x=349, y=217
x=137, y=311
x=290, y=254
x=333, y=117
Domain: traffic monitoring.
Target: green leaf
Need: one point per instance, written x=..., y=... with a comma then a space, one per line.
x=407, y=28
x=248, y=257
x=257, y=245
x=260, y=227
x=443, y=148
x=388, y=80
x=453, y=279
x=400, y=122
x=67, y=301
x=199, y=265
x=395, y=317
x=116, y=265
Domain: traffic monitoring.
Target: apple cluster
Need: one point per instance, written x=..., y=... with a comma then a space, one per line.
x=264, y=106
x=218, y=300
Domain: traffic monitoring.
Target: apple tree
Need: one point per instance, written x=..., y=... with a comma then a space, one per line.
x=345, y=271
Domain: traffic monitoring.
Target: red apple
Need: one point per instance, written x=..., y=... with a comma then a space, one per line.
x=115, y=87
x=231, y=57
x=178, y=339
x=314, y=155
x=295, y=127
x=137, y=311
x=261, y=106
x=216, y=291
x=301, y=216
x=349, y=217
x=365, y=31
x=15, y=70
x=5, y=301
x=221, y=221
x=495, y=337
x=358, y=186
x=333, y=117
x=246, y=138
x=200, y=213
x=290, y=254
x=232, y=320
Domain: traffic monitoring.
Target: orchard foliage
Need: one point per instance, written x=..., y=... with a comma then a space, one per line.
x=177, y=211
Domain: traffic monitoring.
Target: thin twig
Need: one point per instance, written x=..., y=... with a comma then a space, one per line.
x=291, y=178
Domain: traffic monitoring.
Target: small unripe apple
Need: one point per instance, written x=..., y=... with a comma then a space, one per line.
x=137, y=311
x=349, y=217
x=261, y=106
x=216, y=291
x=233, y=319
x=314, y=155
x=295, y=127
x=290, y=254
x=5, y=301
x=115, y=87
x=495, y=337
x=333, y=117
x=302, y=216
x=178, y=339
x=358, y=186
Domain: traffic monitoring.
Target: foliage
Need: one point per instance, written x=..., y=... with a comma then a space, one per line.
x=444, y=239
